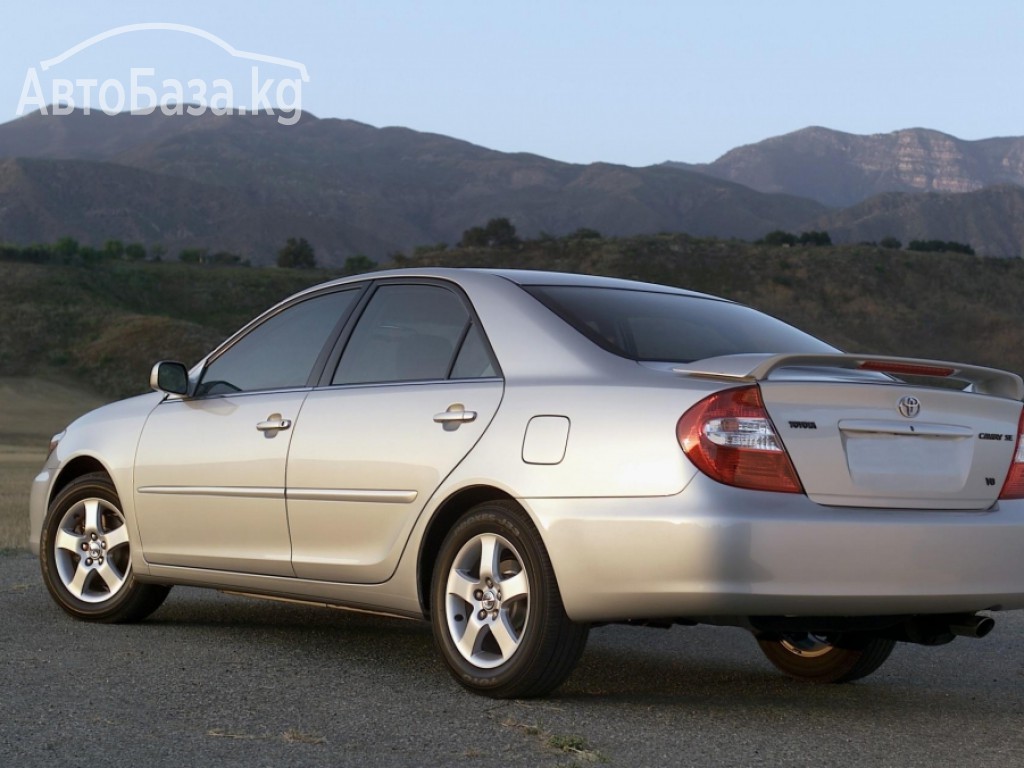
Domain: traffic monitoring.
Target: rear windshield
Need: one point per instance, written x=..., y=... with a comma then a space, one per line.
x=646, y=325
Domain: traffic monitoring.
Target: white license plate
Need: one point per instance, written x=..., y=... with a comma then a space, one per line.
x=909, y=463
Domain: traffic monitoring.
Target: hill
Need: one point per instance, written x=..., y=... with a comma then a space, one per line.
x=106, y=325
x=990, y=219
x=840, y=169
x=244, y=183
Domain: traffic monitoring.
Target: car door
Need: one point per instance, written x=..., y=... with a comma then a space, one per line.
x=415, y=388
x=210, y=469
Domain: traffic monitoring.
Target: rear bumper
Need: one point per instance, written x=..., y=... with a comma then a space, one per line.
x=716, y=551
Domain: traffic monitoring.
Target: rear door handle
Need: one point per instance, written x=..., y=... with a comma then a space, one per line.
x=273, y=424
x=454, y=416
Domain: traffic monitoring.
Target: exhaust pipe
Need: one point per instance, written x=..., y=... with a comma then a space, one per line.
x=972, y=626
x=939, y=630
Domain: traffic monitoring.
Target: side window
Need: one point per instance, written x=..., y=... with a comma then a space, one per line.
x=279, y=353
x=410, y=333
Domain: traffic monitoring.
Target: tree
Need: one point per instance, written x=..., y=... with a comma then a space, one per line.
x=297, y=254
x=497, y=233
x=135, y=252
x=114, y=249
x=359, y=263
x=193, y=255
x=890, y=242
x=779, y=237
x=934, y=246
x=90, y=255
x=423, y=250
x=66, y=249
x=225, y=259
x=474, y=237
x=815, y=238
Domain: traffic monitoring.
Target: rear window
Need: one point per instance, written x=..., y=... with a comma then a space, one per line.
x=646, y=325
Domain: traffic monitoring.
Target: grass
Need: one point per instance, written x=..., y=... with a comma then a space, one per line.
x=576, y=747
x=108, y=325
x=33, y=411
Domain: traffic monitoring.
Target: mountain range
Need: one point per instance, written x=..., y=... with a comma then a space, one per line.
x=245, y=183
x=841, y=169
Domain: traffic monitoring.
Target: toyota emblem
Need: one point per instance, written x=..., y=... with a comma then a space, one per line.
x=909, y=406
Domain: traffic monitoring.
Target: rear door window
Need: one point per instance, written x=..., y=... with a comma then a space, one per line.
x=414, y=332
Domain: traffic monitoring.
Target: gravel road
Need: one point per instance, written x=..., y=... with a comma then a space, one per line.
x=212, y=679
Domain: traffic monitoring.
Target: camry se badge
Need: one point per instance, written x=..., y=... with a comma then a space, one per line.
x=909, y=406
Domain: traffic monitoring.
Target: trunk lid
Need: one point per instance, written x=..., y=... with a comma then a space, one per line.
x=860, y=435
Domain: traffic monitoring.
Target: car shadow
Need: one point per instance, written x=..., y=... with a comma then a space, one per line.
x=700, y=666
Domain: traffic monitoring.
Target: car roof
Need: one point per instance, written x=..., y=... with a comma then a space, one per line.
x=526, y=277
x=540, y=277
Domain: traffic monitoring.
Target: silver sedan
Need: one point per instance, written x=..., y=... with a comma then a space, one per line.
x=516, y=456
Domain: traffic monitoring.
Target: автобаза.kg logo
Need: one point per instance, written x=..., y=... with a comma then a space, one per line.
x=272, y=85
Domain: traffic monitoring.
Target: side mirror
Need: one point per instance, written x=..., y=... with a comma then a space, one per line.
x=170, y=377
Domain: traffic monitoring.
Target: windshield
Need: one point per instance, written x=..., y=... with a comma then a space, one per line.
x=652, y=326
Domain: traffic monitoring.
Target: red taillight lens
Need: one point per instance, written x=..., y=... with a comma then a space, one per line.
x=731, y=439
x=1013, y=488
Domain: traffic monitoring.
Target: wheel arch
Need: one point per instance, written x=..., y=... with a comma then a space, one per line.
x=444, y=518
x=75, y=468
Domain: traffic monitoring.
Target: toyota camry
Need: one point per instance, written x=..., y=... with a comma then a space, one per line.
x=518, y=456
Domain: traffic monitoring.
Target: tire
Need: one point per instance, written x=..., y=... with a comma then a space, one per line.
x=497, y=614
x=834, y=659
x=85, y=555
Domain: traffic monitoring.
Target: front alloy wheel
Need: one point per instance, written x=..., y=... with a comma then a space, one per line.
x=827, y=658
x=85, y=555
x=497, y=613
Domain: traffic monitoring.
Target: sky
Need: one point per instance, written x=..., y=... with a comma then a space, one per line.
x=635, y=83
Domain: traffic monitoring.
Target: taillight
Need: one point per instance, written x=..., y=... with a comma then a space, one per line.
x=731, y=439
x=1013, y=488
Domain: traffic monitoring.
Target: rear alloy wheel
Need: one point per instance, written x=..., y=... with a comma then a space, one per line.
x=827, y=659
x=85, y=555
x=496, y=612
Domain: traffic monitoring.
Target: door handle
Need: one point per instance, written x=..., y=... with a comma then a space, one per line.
x=454, y=416
x=273, y=424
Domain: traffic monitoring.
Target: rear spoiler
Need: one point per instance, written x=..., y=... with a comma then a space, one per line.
x=758, y=367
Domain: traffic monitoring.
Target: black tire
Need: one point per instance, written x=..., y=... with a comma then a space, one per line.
x=833, y=659
x=85, y=555
x=502, y=633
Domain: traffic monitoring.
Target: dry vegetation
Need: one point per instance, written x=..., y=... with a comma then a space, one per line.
x=105, y=325
x=33, y=411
